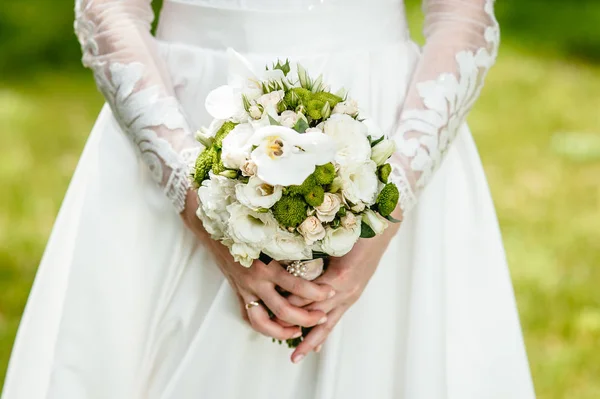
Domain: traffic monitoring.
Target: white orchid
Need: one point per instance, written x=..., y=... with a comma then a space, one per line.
x=235, y=147
x=359, y=182
x=257, y=194
x=285, y=157
x=351, y=138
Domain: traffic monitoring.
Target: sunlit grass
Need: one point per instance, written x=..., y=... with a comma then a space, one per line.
x=537, y=127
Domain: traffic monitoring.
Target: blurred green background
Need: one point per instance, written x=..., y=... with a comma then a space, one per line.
x=537, y=126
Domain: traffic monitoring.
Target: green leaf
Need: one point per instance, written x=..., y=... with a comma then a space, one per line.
x=305, y=81
x=285, y=68
x=301, y=126
x=379, y=140
x=393, y=220
x=273, y=122
x=366, y=231
x=246, y=103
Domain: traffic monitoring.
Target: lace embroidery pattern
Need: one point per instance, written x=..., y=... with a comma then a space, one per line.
x=148, y=116
x=425, y=132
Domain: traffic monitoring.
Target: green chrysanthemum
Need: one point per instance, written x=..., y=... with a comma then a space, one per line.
x=304, y=188
x=223, y=132
x=314, y=108
x=388, y=199
x=384, y=172
x=296, y=96
x=290, y=211
x=315, y=196
x=324, y=174
x=325, y=97
x=204, y=163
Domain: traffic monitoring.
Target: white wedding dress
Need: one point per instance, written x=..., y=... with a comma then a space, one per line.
x=128, y=304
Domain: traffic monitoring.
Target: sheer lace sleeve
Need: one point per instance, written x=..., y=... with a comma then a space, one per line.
x=118, y=46
x=462, y=38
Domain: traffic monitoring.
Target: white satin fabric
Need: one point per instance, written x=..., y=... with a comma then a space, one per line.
x=127, y=304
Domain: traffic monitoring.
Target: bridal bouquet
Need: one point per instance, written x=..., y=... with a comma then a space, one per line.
x=290, y=171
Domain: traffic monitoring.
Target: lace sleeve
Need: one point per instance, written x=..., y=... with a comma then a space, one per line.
x=462, y=38
x=119, y=48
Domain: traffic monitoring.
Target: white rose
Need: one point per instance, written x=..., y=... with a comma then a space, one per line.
x=214, y=195
x=270, y=100
x=249, y=227
x=329, y=208
x=382, y=151
x=257, y=194
x=312, y=230
x=359, y=182
x=255, y=112
x=289, y=118
x=348, y=107
x=248, y=168
x=285, y=157
x=244, y=254
x=351, y=138
x=377, y=222
x=338, y=242
x=349, y=220
x=236, y=148
x=287, y=246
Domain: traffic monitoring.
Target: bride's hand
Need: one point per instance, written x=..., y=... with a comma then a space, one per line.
x=348, y=276
x=259, y=282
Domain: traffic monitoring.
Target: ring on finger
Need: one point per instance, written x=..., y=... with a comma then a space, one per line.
x=252, y=304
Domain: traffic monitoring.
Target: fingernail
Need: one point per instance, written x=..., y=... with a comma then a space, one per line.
x=331, y=294
x=323, y=320
x=318, y=349
x=297, y=335
x=298, y=358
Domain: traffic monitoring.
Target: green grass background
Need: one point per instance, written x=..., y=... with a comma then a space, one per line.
x=537, y=126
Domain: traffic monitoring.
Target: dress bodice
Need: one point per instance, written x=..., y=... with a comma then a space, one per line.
x=283, y=5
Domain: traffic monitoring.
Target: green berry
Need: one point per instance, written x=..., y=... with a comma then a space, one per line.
x=315, y=196
x=304, y=188
x=223, y=132
x=290, y=211
x=324, y=174
x=204, y=163
x=388, y=199
x=384, y=172
x=314, y=108
x=326, y=97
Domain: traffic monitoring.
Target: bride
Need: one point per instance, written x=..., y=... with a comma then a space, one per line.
x=133, y=300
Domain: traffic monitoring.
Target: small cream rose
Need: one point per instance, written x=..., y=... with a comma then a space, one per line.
x=329, y=208
x=288, y=118
x=312, y=230
x=255, y=112
x=248, y=168
x=348, y=107
x=270, y=99
x=349, y=221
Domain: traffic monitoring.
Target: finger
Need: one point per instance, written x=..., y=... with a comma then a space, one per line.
x=288, y=313
x=298, y=301
x=317, y=336
x=262, y=323
x=243, y=308
x=301, y=287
